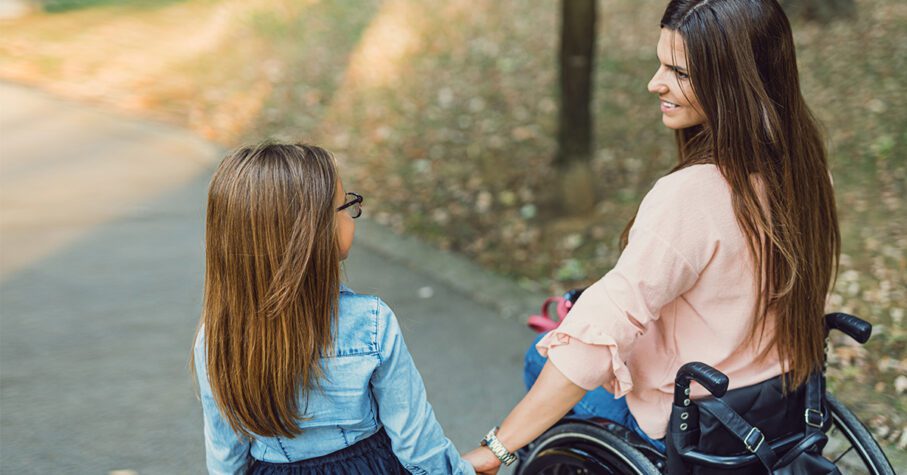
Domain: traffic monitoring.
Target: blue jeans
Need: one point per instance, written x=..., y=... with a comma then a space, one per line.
x=598, y=403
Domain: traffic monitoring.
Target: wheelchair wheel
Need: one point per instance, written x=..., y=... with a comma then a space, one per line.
x=583, y=448
x=851, y=446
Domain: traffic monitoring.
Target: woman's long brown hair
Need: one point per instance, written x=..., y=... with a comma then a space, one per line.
x=760, y=134
x=272, y=277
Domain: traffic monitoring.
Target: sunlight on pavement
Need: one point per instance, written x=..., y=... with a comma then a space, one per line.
x=158, y=61
x=58, y=180
x=134, y=47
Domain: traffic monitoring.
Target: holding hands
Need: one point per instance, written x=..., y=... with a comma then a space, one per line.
x=483, y=461
x=549, y=399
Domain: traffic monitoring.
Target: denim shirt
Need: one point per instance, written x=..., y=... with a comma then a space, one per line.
x=371, y=381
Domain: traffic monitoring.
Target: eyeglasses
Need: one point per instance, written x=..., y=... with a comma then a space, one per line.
x=353, y=205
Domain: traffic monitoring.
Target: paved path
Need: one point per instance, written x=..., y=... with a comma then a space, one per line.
x=100, y=285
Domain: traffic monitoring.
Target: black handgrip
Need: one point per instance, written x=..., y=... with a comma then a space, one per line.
x=711, y=379
x=572, y=295
x=856, y=328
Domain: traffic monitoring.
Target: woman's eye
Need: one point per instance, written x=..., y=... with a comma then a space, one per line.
x=681, y=75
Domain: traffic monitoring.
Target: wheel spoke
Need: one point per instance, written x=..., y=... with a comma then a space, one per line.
x=839, y=457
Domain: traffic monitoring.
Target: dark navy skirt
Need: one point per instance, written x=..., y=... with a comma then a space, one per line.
x=373, y=455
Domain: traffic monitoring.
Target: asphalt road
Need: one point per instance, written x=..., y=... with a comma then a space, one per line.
x=101, y=232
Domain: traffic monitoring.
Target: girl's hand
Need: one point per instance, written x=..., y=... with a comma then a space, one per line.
x=483, y=461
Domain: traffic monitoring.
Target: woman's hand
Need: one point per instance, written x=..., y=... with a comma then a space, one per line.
x=483, y=461
x=547, y=401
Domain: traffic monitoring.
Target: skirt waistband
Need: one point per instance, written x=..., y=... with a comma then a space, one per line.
x=373, y=454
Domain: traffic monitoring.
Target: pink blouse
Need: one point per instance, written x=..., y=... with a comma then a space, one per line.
x=683, y=290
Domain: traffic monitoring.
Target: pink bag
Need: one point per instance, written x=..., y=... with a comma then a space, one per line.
x=544, y=322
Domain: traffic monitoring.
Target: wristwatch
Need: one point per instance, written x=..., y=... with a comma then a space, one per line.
x=497, y=448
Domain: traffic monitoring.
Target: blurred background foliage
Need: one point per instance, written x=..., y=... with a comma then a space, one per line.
x=58, y=6
x=443, y=114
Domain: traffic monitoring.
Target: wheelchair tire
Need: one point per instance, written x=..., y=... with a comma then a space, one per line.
x=858, y=436
x=580, y=447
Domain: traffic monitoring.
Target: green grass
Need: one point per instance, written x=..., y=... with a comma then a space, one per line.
x=61, y=6
x=314, y=45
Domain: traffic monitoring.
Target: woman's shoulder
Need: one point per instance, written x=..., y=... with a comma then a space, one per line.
x=703, y=180
x=691, y=202
x=707, y=171
x=689, y=189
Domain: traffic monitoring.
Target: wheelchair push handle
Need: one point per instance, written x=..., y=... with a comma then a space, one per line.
x=856, y=328
x=572, y=295
x=716, y=382
x=711, y=379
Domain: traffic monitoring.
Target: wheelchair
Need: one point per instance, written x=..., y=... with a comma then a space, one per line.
x=591, y=446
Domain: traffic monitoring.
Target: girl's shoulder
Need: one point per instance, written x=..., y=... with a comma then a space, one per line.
x=361, y=320
x=357, y=306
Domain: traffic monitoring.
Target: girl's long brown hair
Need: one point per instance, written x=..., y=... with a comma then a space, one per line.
x=760, y=134
x=272, y=277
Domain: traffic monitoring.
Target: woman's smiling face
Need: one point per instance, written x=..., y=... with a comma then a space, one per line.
x=679, y=106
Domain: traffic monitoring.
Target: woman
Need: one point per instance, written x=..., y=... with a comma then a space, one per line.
x=730, y=256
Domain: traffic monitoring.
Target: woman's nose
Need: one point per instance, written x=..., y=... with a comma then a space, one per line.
x=656, y=85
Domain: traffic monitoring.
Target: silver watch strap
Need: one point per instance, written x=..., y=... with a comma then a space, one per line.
x=497, y=448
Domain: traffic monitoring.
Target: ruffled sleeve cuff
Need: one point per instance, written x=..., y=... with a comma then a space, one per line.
x=587, y=357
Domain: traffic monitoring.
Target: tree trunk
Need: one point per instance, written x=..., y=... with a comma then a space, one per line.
x=577, y=54
x=822, y=11
x=576, y=62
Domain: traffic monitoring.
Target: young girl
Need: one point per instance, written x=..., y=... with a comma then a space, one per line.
x=298, y=374
x=730, y=256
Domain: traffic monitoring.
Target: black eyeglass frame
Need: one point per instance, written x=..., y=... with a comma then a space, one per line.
x=357, y=199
